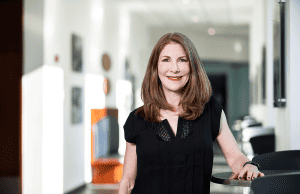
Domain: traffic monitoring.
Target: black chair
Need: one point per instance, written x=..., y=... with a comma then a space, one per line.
x=279, y=184
x=248, y=133
x=263, y=144
x=281, y=160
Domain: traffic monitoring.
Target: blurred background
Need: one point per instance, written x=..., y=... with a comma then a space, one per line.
x=72, y=71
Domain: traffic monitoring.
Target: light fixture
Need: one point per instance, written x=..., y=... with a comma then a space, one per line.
x=238, y=47
x=211, y=31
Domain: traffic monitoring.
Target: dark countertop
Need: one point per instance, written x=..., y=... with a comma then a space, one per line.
x=224, y=178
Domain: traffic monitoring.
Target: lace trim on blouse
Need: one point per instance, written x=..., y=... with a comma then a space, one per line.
x=162, y=132
x=186, y=128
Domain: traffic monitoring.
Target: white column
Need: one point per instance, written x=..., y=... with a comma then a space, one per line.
x=42, y=131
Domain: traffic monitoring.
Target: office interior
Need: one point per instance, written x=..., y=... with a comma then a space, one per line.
x=53, y=55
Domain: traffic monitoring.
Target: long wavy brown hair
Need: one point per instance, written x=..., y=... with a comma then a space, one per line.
x=195, y=93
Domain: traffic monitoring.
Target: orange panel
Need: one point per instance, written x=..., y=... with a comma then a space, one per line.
x=97, y=114
x=92, y=153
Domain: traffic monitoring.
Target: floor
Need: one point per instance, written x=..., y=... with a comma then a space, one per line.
x=220, y=165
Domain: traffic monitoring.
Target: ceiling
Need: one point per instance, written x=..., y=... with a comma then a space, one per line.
x=192, y=12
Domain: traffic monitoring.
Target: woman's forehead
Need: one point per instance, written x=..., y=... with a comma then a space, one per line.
x=172, y=48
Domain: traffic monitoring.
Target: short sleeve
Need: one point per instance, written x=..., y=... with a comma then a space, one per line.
x=215, y=115
x=128, y=128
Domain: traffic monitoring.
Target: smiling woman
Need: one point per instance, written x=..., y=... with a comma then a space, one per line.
x=175, y=81
x=173, y=65
x=169, y=147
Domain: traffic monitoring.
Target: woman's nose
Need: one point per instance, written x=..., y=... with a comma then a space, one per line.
x=175, y=67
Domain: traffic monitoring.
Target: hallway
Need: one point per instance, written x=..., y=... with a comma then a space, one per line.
x=61, y=59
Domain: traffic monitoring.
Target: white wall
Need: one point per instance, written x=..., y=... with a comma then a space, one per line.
x=97, y=23
x=285, y=119
x=292, y=76
x=139, y=51
x=111, y=23
x=42, y=139
x=49, y=26
x=32, y=134
x=69, y=17
x=256, y=42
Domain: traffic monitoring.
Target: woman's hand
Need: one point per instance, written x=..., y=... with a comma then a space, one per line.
x=248, y=172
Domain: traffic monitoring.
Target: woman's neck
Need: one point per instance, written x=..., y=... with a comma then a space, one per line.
x=173, y=99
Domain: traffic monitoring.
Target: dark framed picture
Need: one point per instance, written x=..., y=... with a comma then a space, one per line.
x=251, y=91
x=256, y=87
x=76, y=53
x=127, y=72
x=76, y=105
x=279, y=53
x=263, y=75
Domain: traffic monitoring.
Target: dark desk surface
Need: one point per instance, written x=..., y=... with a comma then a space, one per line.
x=224, y=178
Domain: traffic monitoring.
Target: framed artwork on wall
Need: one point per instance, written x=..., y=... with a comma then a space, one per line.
x=127, y=70
x=256, y=88
x=76, y=53
x=76, y=114
x=263, y=75
x=251, y=91
x=132, y=81
x=279, y=53
x=258, y=85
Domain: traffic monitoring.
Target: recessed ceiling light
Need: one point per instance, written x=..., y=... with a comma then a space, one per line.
x=211, y=31
x=238, y=47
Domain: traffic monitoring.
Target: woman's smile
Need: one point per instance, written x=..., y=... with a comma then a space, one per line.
x=174, y=78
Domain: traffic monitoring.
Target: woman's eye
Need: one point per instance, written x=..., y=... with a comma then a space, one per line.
x=183, y=60
x=165, y=60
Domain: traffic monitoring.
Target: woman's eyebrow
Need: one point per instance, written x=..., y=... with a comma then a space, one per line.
x=169, y=56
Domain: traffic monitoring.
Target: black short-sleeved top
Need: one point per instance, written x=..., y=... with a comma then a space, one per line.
x=169, y=164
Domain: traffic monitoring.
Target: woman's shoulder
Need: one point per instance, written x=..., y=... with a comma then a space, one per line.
x=212, y=100
x=137, y=113
x=214, y=104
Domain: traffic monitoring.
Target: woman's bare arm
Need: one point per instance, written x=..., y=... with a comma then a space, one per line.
x=129, y=169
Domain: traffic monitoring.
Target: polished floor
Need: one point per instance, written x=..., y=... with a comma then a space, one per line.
x=220, y=165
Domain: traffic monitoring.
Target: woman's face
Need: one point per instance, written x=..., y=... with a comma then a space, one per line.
x=173, y=62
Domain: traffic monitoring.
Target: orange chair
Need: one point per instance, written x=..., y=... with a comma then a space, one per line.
x=107, y=171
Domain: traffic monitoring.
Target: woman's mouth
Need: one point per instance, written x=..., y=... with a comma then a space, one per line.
x=175, y=78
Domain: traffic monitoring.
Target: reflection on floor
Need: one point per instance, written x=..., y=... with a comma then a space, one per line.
x=220, y=165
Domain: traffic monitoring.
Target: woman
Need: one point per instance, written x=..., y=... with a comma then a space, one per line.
x=169, y=146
